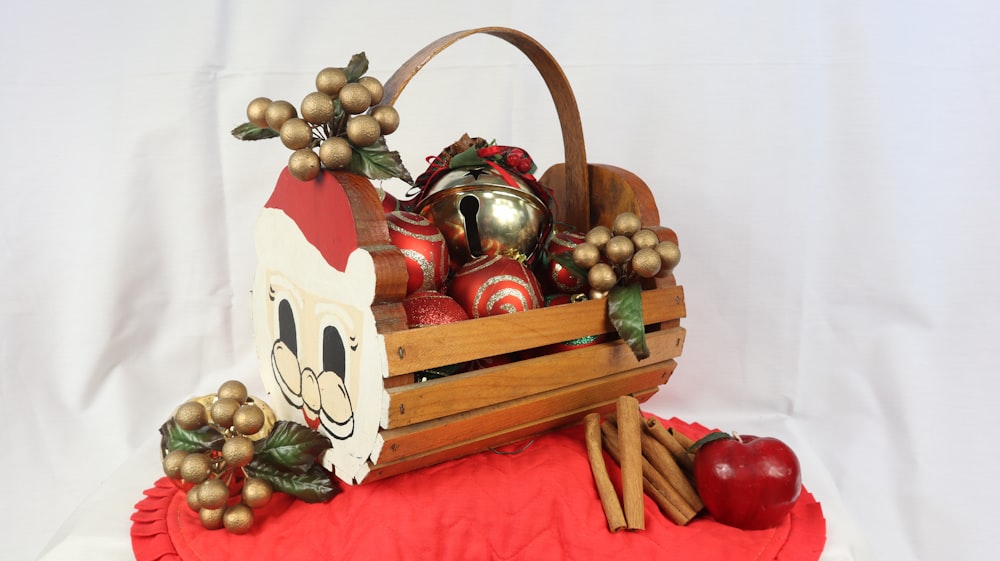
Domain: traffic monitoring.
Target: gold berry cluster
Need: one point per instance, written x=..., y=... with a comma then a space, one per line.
x=343, y=114
x=213, y=475
x=623, y=252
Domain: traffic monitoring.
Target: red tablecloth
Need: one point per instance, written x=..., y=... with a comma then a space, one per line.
x=540, y=503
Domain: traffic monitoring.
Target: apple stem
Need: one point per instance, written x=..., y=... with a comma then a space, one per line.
x=737, y=437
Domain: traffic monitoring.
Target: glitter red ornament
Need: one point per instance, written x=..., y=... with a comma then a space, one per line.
x=423, y=246
x=559, y=278
x=432, y=308
x=488, y=286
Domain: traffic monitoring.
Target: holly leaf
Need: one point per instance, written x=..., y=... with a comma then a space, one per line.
x=312, y=486
x=625, y=313
x=291, y=446
x=378, y=162
x=466, y=158
x=176, y=438
x=250, y=131
x=357, y=67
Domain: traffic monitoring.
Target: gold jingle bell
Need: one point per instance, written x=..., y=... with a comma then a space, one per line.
x=479, y=213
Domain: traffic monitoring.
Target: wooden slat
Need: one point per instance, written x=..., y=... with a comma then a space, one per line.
x=433, y=399
x=422, y=437
x=413, y=350
x=506, y=436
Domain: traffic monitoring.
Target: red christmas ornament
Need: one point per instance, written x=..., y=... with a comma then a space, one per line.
x=389, y=203
x=488, y=286
x=423, y=246
x=432, y=308
x=558, y=277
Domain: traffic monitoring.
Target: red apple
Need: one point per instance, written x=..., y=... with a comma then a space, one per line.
x=748, y=482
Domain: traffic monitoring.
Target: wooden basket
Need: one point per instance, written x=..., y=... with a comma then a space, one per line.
x=437, y=420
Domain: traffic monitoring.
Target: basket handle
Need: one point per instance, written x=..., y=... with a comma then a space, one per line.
x=574, y=196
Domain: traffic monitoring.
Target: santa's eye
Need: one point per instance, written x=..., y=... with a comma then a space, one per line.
x=286, y=327
x=333, y=351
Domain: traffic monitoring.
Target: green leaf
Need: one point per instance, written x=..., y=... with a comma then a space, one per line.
x=357, y=67
x=250, y=131
x=313, y=486
x=625, y=313
x=710, y=437
x=378, y=162
x=176, y=438
x=291, y=446
x=466, y=158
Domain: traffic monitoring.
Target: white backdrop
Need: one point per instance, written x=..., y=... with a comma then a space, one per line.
x=830, y=167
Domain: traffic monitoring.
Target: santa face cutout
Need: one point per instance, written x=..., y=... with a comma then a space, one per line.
x=321, y=358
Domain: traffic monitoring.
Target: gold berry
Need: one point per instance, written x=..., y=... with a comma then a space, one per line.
x=234, y=389
x=586, y=255
x=195, y=467
x=238, y=450
x=248, y=419
x=387, y=117
x=601, y=277
x=172, y=463
x=191, y=415
x=222, y=411
x=192, y=499
x=619, y=250
x=331, y=80
x=317, y=108
x=374, y=88
x=335, y=153
x=363, y=130
x=212, y=494
x=255, y=111
x=212, y=518
x=296, y=133
x=238, y=519
x=304, y=164
x=626, y=224
x=354, y=98
x=645, y=239
x=646, y=262
x=278, y=112
x=256, y=492
x=670, y=255
x=598, y=235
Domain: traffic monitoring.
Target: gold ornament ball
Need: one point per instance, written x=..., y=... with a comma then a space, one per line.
x=248, y=419
x=212, y=494
x=304, y=164
x=619, y=250
x=278, y=112
x=172, y=463
x=255, y=111
x=256, y=492
x=222, y=411
x=645, y=239
x=191, y=415
x=234, y=389
x=335, y=153
x=212, y=518
x=363, y=130
x=586, y=255
x=238, y=450
x=192, y=499
x=646, y=262
x=626, y=224
x=195, y=467
x=598, y=235
x=387, y=117
x=354, y=98
x=374, y=88
x=601, y=277
x=238, y=519
x=295, y=133
x=670, y=255
x=331, y=80
x=317, y=108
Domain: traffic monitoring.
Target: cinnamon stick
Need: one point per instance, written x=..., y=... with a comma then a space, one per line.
x=605, y=489
x=665, y=497
x=630, y=448
x=664, y=436
x=661, y=459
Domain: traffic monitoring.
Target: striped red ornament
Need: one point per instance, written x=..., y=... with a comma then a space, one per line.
x=423, y=246
x=492, y=285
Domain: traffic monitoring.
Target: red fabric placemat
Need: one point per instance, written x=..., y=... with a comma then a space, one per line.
x=539, y=503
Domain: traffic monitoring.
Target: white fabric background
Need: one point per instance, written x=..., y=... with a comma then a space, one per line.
x=830, y=167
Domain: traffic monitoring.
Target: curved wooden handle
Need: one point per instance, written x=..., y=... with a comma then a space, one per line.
x=574, y=196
